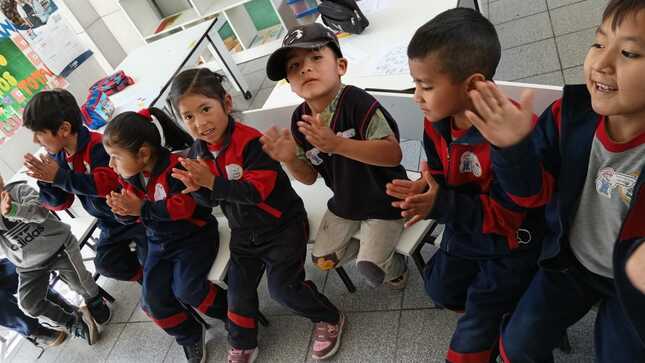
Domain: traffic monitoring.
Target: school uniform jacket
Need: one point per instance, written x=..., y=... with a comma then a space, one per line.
x=253, y=190
x=481, y=220
x=550, y=168
x=90, y=179
x=168, y=215
x=359, y=188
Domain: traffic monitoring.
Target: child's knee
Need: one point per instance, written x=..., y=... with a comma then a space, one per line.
x=33, y=308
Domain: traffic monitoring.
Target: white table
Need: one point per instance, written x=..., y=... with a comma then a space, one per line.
x=391, y=28
x=154, y=65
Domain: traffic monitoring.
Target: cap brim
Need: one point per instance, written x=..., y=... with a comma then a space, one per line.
x=277, y=63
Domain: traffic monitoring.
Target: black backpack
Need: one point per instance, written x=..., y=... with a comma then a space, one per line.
x=343, y=15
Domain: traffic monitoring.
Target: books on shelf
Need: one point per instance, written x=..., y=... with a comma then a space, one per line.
x=166, y=22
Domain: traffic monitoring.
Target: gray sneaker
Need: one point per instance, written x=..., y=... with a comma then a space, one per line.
x=82, y=326
x=398, y=283
x=196, y=352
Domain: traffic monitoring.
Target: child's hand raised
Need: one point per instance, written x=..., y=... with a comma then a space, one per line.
x=5, y=203
x=416, y=207
x=199, y=172
x=44, y=168
x=184, y=177
x=501, y=122
x=403, y=188
x=319, y=135
x=279, y=144
x=124, y=203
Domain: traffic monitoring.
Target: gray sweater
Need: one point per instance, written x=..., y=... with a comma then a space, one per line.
x=29, y=233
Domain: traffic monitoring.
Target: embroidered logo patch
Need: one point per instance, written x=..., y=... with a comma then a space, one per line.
x=469, y=163
x=160, y=192
x=314, y=156
x=608, y=180
x=234, y=171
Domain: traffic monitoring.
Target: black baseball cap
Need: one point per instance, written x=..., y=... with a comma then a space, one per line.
x=310, y=36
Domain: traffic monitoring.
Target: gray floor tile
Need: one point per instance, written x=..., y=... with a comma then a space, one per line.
x=578, y=16
x=27, y=353
x=505, y=10
x=216, y=347
x=415, y=295
x=368, y=337
x=141, y=343
x=552, y=4
x=581, y=338
x=528, y=60
x=573, y=47
x=365, y=298
x=138, y=315
x=524, y=30
x=286, y=339
x=551, y=79
x=77, y=350
x=126, y=295
x=573, y=75
x=424, y=335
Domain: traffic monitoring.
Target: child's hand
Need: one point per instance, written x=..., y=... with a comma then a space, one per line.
x=417, y=207
x=43, y=168
x=319, y=135
x=199, y=172
x=403, y=188
x=501, y=122
x=635, y=268
x=279, y=145
x=5, y=203
x=124, y=203
x=184, y=177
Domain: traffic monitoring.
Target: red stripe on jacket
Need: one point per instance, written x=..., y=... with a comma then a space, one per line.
x=242, y=321
x=500, y=220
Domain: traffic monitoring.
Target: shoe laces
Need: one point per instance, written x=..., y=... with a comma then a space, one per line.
x=323, y=329
x=236, y=356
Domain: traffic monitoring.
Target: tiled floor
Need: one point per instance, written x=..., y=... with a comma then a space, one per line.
x=543, y=42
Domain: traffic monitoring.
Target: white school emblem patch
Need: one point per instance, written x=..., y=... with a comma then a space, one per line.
x=234, y=172
x=469, y=163
x=160, y=192
x=314, y=158
x=608, y=180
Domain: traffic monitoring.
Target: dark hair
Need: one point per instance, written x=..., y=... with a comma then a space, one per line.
x=463, y=40
x=47, y=110
x=620, y=9
x=131, y=130
x=200, y=81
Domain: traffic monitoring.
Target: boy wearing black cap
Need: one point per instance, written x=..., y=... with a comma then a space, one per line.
x=344, y=134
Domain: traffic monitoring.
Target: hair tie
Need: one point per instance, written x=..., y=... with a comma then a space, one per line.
x=145, y=112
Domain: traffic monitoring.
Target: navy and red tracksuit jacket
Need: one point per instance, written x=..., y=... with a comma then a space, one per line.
x=481, y=221
x=90, y=180
x=167, y=214
x=253, y=190
x=550, y=168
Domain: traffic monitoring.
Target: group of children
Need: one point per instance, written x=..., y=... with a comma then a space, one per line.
x=543, y=216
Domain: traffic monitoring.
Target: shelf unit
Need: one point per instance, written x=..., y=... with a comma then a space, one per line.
x=253, y=28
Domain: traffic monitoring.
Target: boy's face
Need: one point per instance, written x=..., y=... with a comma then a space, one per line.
x=313, y=73
x=437, y=95
x=615, y=68
x=53, y=143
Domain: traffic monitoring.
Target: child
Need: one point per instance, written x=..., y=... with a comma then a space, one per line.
x=80, y=168
x=488, y=253
x=344, y=134
x=37, y=243
x=585, y=161
x=182, y=236
x=269, y=228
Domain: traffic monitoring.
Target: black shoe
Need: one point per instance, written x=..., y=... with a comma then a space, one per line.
x=45, y=337
x=82, y=326
x=196, y=352
x=99, y=310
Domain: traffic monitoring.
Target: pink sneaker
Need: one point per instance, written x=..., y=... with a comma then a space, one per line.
x=327, y=338
x=242, y=355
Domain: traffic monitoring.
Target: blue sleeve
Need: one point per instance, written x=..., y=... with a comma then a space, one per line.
x=100, y=181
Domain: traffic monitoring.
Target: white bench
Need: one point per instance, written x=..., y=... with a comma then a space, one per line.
x=315, y=198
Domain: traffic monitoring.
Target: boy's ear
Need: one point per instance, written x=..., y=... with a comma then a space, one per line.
x=228, y=103
x=341, y=66
x=65, y=129
x=471, y=82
